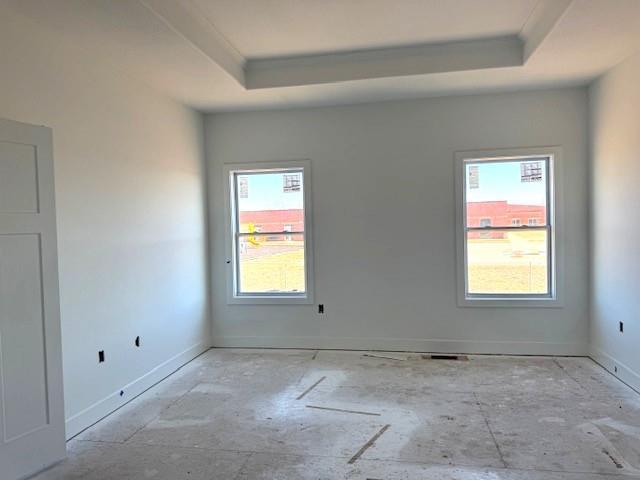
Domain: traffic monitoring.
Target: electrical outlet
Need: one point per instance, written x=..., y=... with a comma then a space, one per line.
x=101, y=356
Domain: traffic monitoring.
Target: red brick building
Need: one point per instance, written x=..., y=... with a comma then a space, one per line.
x=503, y=214
x=479, y=214
x=274, y=220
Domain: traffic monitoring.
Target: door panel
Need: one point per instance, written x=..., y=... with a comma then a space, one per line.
x=31, y=401
x=23, y=376
x=18, y=178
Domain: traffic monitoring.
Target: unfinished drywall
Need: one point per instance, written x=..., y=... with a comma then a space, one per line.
x=130, y=209
x=384, y=222
x=615, y=234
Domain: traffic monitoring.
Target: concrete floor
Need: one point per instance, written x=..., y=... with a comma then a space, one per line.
x=291, y=414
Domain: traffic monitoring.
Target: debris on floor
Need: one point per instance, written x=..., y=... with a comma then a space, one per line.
x=303, y=394
x=357, y=412
x=368, y=445
x=387, y=357
x=613, y=459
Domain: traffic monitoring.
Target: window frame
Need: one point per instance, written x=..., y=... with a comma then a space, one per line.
x=554, y=225
x=234, y=297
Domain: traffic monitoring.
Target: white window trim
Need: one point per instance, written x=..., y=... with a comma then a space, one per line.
x=556, y=221
x=268, y=299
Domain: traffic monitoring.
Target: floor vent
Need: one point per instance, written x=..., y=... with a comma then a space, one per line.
x=445, y=357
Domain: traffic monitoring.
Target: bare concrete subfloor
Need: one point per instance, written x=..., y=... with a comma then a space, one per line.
x=292, y=414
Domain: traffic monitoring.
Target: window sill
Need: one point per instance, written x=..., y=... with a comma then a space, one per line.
x=497, y=302
x=270, y=300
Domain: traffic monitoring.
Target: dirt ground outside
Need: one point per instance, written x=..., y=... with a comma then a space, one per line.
x=273, y=267
x=516, y=263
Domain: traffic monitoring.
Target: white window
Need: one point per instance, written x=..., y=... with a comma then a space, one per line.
x=500, y=261
x=269, y=235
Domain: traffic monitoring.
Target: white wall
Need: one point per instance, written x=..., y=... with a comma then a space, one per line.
x=615, y=233
x=384, y=222
x=131, y=223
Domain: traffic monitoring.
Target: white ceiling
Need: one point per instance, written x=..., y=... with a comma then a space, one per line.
x=272, y=28
x=203, y=52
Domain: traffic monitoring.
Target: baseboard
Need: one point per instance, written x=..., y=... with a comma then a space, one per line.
x=406, y=345
x=610, y=364
x=87, y=417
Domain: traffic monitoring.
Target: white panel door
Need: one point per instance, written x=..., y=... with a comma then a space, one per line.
x=31, y=403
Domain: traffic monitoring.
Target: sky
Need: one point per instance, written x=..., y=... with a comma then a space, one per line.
x=496, y=181
x=266, y=193
x=502, y=181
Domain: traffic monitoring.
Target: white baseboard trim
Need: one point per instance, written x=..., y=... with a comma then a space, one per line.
x=87, y=417
x=406, y=345
x=610, y=364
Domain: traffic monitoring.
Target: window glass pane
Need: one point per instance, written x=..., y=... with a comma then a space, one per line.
x=506, y=193
x=271, y=263
x=507, y=262
x=269, y=201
